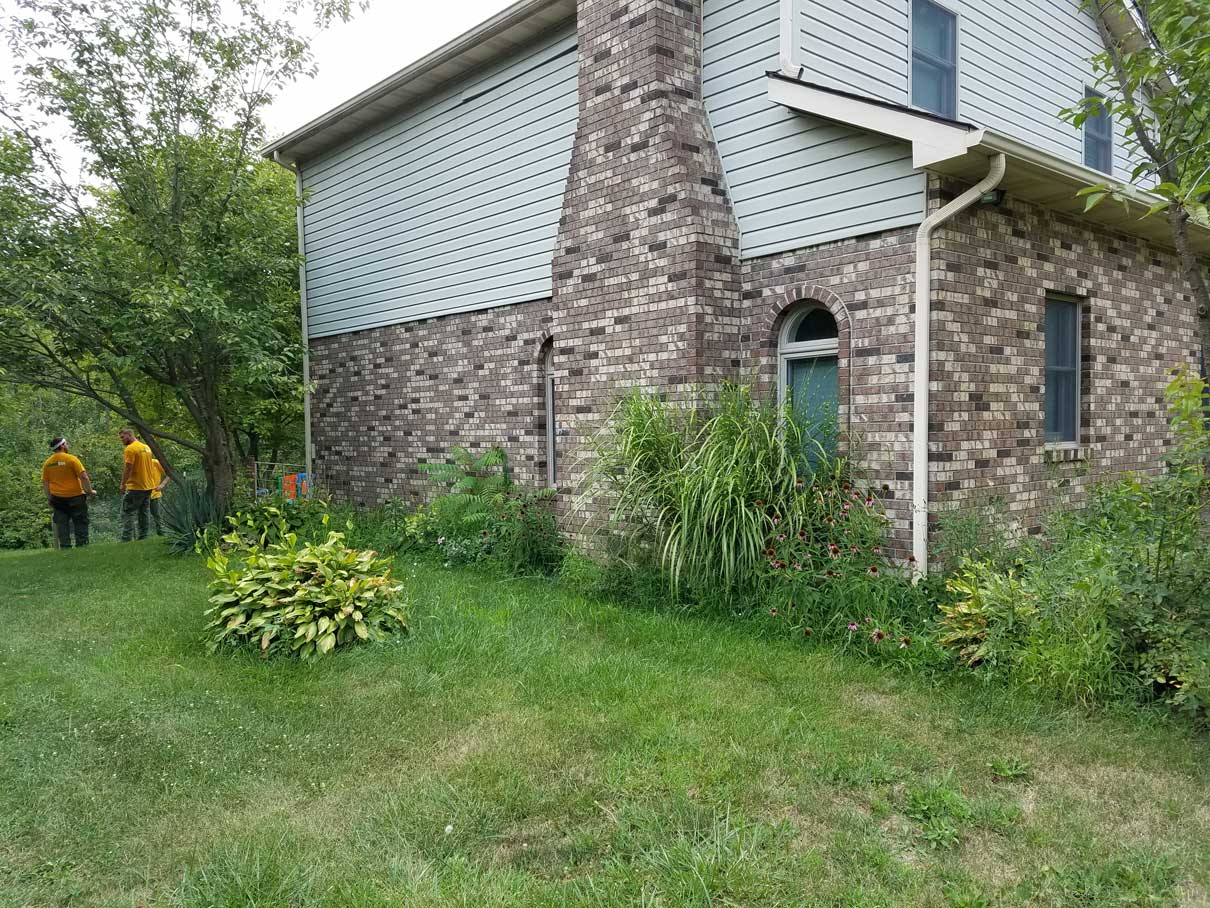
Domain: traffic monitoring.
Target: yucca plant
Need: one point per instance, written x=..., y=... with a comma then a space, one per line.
x=189, y=513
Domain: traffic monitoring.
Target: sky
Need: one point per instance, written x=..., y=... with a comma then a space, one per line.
x=353, y=56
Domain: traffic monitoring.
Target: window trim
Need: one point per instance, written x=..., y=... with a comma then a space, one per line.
x=911, y=57
x=1090, y=136
x=1077, y=305
x=548, y=388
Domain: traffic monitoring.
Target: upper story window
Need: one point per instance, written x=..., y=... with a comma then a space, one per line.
x=934, y=58
x=1098, y=136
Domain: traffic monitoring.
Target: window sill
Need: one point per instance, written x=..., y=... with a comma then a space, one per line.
x=1064, y=453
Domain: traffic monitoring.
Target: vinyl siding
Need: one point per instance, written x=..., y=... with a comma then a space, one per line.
x=1019, y=62
x=449, y=207
x=795, y=180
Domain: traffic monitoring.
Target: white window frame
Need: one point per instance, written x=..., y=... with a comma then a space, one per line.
x=1078, y=306
x=788, y=351
x=548, y=384
x=911, y=57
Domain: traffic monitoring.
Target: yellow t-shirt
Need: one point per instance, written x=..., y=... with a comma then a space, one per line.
x=62, y=472
x=159, y=477
x=142, y=473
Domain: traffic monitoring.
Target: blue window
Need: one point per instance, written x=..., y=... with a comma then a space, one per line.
x=1098, y=136
x=934, y=58
x=1062, y=371
x=809, y=358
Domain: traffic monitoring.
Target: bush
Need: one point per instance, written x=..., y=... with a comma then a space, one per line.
x=486, y=516
x=301, y=599
x=190, y=517
x=270, y=520
x=1116, y=602
x=24, y=514
x=731, y=493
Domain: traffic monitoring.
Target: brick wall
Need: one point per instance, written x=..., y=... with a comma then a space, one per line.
x=866, y=283
x=389, y=398
x=992, y=271
x=646, y=284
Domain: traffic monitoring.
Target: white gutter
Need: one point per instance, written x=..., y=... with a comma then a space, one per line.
x=920, y=391
x=302, y=294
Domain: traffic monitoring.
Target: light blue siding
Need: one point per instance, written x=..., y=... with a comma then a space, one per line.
x=795, y=180
x=1019, y=62
x=451, y=206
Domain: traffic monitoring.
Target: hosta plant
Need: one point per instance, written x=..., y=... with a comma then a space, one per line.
x=302, y=600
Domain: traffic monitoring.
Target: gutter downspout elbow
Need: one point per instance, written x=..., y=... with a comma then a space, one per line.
x=920, y=388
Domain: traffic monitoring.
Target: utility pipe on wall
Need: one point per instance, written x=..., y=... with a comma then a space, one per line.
x=920, y=391
x=302, y=293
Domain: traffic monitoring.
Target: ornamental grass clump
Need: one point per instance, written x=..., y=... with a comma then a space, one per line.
x=302, y=600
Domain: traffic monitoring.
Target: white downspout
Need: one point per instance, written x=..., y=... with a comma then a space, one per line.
x=302, y=294
x=920, y=391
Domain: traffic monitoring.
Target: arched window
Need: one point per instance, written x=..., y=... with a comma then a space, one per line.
x=548, y=384
x=808, y=360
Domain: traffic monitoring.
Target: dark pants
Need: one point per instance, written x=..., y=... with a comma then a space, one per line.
x=70, y=515
x=136, y=502
x=155, y=515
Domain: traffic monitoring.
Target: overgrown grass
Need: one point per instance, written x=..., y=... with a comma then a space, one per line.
x=527, y=747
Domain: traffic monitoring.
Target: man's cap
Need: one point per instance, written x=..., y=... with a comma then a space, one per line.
x=58, y=442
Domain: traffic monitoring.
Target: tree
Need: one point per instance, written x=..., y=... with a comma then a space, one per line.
x=1155, y=77
x=171, y=274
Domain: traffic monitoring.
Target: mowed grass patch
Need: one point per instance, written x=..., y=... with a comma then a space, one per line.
x=528, y=747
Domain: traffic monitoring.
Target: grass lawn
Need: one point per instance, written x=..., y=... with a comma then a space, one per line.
x=527, y=747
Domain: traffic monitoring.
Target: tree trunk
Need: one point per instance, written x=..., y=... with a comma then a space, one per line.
x=1178, y=218
x=220, y=466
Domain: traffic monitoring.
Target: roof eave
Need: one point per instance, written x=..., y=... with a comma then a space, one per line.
x=961, y=150
x=504, y=32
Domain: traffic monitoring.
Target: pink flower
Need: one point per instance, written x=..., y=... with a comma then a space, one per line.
x=872, y=570
x=781, y=538
x=833, y=550
x=852, y=626
x=869, y=620
x=773, y=611
x=797, y=566
x=905, y=642
x=878, y=636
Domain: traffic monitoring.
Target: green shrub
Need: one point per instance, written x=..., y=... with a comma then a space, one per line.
x=708, y=479
x=24, y=514
x=485, y=515
x=190, y=517
x=1116, y=602
x=300, y=599
x=270, y=520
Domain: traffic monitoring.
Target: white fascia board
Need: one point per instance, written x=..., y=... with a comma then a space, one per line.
x=931, y=139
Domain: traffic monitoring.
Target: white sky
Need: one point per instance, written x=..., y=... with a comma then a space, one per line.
x=353, y=56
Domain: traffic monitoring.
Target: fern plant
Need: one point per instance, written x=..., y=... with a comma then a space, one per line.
x=484, y=514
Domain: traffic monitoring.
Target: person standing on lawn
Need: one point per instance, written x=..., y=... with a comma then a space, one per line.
x=156, y=494
x=67, y=487
x=138, y=482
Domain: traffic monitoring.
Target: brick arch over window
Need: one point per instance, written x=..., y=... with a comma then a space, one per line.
x=781, y=305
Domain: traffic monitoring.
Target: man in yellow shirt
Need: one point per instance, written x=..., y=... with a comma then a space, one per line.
x=138, y=482
x=156, y=494
x=67, y=487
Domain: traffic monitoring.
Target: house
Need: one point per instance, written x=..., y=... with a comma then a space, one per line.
x=869, y=202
